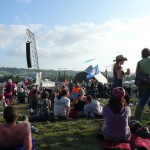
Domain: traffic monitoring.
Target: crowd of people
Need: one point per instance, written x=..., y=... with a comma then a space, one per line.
x=74, y=101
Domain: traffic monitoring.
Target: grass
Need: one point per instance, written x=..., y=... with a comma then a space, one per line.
x=76, y=134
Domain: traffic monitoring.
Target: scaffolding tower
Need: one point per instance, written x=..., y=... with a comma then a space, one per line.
x=35, y=61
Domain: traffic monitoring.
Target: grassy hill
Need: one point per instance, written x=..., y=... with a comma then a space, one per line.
x=25, y=72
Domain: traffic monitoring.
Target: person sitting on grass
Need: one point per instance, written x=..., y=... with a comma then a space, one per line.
x=43, y=108
x=81, y=96
x=62, y=105
x=79, y=103
x=92, y=109
x=21, y=96
x=116, y=115
x=13, y=135
x=34, y=98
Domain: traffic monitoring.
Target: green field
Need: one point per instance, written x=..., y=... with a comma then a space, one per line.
x=76, y=134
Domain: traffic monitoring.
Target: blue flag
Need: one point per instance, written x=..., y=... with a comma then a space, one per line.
x=93, y=72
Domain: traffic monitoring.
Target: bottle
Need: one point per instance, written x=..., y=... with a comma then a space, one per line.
x=31, y=110
x=128, y=71
x=34, y=129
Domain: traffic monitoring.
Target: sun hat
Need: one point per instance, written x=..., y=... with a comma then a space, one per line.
x=120, y=57
x=9, y=80
x=118, y=92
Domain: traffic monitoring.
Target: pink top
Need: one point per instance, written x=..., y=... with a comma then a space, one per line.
x=12, y=87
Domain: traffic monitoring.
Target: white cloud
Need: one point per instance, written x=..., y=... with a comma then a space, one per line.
x=70, y=46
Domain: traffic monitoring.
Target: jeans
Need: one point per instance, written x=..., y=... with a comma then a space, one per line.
x=144, y=96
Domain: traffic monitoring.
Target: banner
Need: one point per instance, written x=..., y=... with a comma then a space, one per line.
x=93, y=72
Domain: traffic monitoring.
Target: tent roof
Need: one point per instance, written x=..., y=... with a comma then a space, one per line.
x=81, y=76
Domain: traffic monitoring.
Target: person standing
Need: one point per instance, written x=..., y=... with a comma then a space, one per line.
x=8, y=92
x=119, y=74
x=70, y=86
x=144, y=91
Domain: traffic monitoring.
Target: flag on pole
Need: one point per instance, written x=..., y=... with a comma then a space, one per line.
x=93, y=72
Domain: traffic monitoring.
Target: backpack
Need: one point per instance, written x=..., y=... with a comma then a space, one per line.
x=142, y=80
x=8, y=88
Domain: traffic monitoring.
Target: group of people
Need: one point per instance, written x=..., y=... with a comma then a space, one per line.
x=144, y=91
x=59, y=105
x=116, y=113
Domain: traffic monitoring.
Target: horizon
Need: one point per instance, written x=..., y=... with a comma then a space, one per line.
x=131, y=73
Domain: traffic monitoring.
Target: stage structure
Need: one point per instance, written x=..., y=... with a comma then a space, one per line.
x=34, y=55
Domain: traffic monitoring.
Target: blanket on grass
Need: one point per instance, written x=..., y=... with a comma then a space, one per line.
x=134, y=143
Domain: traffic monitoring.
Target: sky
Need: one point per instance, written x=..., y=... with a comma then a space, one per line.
x=70, y=33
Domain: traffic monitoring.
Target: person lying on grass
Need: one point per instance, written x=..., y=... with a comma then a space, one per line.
x=13, y=135
x=116, y=115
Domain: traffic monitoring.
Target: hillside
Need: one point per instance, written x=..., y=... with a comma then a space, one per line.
x=26, y=72
x=48, y=73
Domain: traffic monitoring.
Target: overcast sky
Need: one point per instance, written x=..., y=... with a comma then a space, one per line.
x=68, y=33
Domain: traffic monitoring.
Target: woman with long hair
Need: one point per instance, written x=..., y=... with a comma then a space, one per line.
x=116, y=115
x=118, y=72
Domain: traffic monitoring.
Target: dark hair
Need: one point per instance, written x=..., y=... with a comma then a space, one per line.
x=10, y=114
x=116, y=104
x=89, y=98
x=145, y=53
x=44, y=94
x=34, y=91
x=116, y=67
x=62, y=93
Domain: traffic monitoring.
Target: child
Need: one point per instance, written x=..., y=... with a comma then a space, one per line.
x=92, y=108
x=116, y=114
x=21, y=96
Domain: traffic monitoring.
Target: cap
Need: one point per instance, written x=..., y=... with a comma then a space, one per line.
x=118, y=92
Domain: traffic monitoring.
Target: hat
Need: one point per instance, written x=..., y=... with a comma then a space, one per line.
x=21, y=90
x=9, y=80
x=120, y=57
x=118, y=92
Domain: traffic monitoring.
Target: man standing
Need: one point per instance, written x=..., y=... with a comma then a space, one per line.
x=144, y=91
x=8, y=91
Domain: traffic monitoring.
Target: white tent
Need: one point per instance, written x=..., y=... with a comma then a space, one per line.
x=100, y=78
x=47, y=84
